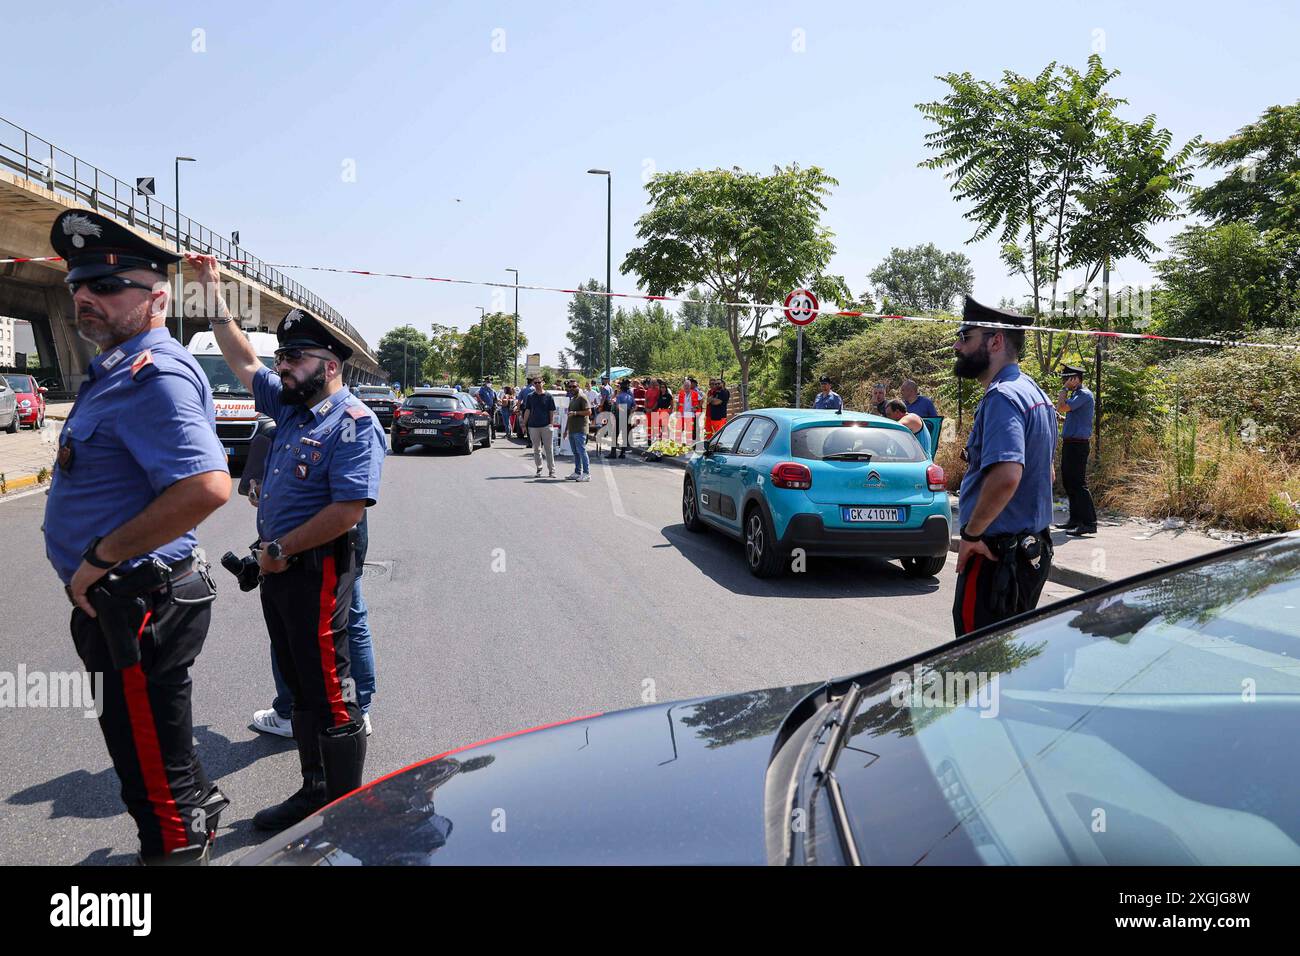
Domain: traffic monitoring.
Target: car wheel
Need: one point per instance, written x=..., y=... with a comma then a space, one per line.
x=13, y=423
x=923, y=567
x=487, y=440
x=690, y=507
x=398, y=447
x=760, y=544
x=469, y=441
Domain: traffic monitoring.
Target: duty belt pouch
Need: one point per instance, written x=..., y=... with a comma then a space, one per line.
x=121, y=620
x=1004, y=590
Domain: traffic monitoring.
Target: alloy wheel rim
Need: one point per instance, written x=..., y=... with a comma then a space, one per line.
x=688, y=502
x=754, y=540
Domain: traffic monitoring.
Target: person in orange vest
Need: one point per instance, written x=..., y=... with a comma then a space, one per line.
x=689, y=404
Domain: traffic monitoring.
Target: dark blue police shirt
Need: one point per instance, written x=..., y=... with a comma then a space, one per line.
x=1078, y=420
x=829, y=400
x=1015, y=422
x=922, y=407
x=143, y=420
x=331, y=452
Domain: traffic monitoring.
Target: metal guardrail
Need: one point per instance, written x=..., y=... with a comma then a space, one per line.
x=44, y=164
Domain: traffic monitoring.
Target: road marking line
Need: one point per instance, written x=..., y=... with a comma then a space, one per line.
x=616, y=502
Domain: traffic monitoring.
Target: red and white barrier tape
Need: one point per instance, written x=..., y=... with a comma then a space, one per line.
x=1096, y=333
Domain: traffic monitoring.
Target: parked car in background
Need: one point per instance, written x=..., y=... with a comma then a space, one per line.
x=1005, y=747
x=8, y=407
x=30, y=396
x=441, y=417
x=380, y=399
x=844, y=484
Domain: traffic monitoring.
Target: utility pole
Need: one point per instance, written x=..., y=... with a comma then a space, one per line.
x=482, y=313
x=514, y=362
x=609, y=278
x=180, y=272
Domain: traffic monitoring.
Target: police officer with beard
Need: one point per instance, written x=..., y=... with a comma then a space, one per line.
x=320, y=476
x=1005, y=504
x=139, y=466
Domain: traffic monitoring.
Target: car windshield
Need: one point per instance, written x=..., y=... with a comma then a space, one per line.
x=19, y=383
x=855, y=439
x=1150, y=725
x=444, y=402
x=376, y=393
x=221, y=378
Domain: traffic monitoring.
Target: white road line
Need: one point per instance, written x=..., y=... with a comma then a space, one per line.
x=616, y=502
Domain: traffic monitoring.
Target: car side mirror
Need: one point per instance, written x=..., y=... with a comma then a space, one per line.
x=702, y=447
x=43, y=389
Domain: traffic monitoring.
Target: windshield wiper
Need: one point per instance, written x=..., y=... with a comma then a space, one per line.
x=849, y=456
x=825, y=772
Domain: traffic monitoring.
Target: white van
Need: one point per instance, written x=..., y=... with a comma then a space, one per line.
x=237, y=420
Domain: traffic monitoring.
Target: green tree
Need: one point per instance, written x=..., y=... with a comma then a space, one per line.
x=1263, y=187
x=743, y=236
x=402, y=353
x=1226, y=280
x=639, y=332
x=586, y=332
x=444, y=343
x=703, y=312
x=496, y=332
x=1052, y=170
x=923, y=278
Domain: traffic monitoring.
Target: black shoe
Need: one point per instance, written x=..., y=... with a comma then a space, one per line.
x=343, y=751
x=308, y=799
x=1080, y=530
x=1066, y=526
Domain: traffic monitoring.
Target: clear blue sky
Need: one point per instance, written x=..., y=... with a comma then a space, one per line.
x=287, y=92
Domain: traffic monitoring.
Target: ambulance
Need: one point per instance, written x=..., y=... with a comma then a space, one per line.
x=237, y=420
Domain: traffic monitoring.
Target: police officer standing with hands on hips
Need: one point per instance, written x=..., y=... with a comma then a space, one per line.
x=1076, y=403
x=1005, y=505
x=320, y=475
x=139, y=466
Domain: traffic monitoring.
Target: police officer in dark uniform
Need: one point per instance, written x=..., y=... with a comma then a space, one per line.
x=1076, y=403
x=138, y=467
x=1005, y=505
x=320, y=475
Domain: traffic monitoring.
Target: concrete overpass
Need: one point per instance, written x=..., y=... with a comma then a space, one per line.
x=38, y=181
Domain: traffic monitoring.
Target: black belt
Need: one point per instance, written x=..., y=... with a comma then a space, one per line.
x=145, y=578
x=1082, y=441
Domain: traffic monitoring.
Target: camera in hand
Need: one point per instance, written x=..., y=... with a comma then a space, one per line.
x=245, y=569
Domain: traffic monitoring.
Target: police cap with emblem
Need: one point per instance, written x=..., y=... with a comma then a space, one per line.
x=94, y=246
x=1069, y=370
x=302, y=330
x=975, y=313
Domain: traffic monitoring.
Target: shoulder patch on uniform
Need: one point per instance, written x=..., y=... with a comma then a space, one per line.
x=358, y=412
x=143, y=360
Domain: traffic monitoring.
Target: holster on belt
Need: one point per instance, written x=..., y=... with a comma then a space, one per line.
x=342, y=548
x=122, y=603
x=1017, y=570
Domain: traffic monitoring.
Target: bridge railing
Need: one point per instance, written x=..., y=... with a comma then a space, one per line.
x=44, y=164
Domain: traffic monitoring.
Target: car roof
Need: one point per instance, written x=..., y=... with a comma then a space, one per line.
x=795, y=417
x=435, y=391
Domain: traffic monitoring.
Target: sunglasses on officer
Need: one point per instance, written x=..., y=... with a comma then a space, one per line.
x=965, y=335
x=294, y=355
x=107, y=285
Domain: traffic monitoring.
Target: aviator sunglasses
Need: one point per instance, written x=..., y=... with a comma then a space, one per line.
x=108, y=285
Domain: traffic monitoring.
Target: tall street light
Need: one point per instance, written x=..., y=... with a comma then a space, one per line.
x=515, y=362
x=180, y=312
x=481, y=314
x=609, y=231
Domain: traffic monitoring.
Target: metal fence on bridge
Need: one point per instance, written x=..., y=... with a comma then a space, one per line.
x=44, y=164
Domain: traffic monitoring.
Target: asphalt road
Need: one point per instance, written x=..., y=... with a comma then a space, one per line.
x=497, y=601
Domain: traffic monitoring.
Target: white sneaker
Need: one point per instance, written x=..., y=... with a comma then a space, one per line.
x=585, y=477
x=365, y=720
x=269, y=722
x=573, y=477
x=539, y=473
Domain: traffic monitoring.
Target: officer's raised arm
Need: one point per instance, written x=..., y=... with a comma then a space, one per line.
x=235, y=347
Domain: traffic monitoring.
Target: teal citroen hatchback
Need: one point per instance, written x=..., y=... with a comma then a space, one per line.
x=845, y=484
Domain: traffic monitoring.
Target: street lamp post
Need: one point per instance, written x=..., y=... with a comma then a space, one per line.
x=482, y=313
x=609, y=232
x=180, y=281
x=514, y=364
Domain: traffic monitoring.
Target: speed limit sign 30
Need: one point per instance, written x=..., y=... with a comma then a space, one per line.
x=801, y=307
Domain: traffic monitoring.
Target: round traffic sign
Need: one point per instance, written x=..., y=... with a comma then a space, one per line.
x=801, y=307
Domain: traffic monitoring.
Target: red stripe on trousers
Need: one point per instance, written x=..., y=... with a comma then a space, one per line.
x=968, y=599
x=329, y=583
x=139, y=714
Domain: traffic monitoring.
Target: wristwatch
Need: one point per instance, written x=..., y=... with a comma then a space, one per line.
x=90, y=558
x=274, y=551
x=970, y=537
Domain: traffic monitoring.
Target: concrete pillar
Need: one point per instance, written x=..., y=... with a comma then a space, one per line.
x=73, y=352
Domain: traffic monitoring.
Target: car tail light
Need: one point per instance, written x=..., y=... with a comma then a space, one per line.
x=403, y=412
x=935, y=479
x=791, y=474
x=456, y=415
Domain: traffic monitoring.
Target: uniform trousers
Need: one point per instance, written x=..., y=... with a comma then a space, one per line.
x=146, y=720
x=992, y=591
x=1074, y=477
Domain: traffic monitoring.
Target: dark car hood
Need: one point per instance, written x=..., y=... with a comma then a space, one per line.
x=678, y=783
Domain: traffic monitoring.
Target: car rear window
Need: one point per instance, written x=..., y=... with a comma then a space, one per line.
x=445, y=402
x=882, y=444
